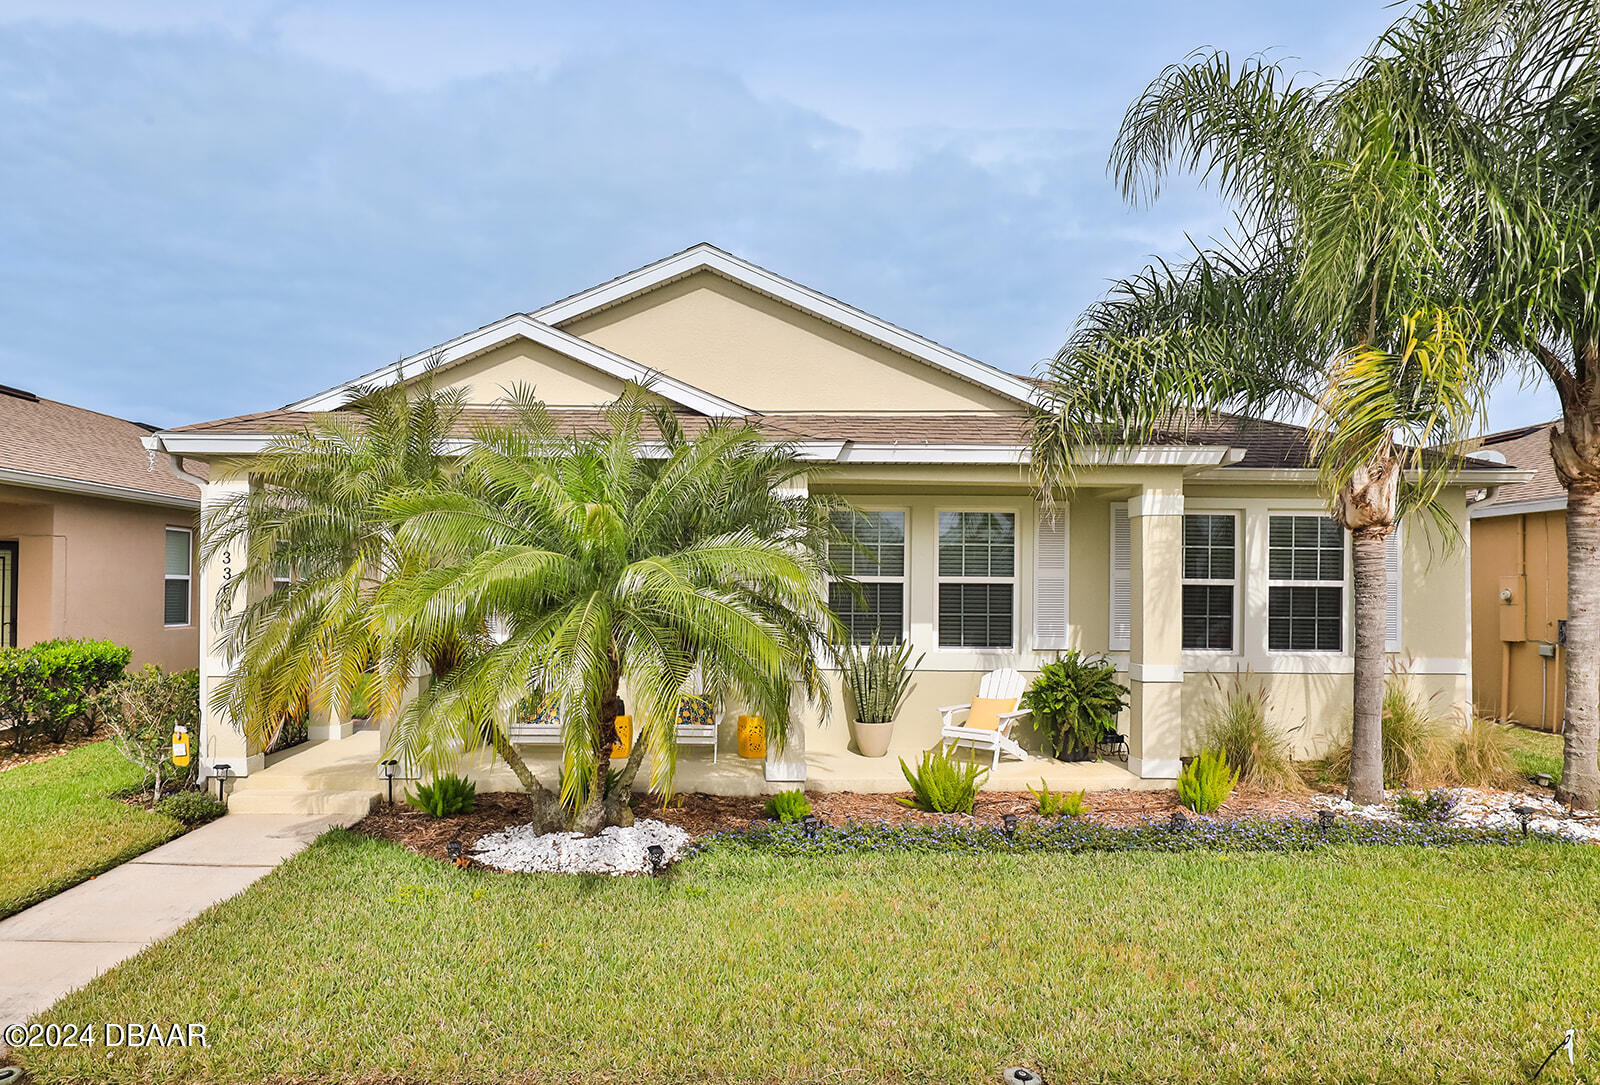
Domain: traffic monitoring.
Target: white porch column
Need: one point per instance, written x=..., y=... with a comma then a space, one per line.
x=1155, y=659
x=789, y=767
x=221, y=741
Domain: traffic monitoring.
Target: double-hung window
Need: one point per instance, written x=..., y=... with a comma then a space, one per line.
x=1305, y=584
x=179, y=569
x=977, y=579
x=1209, y=580
x=873, y=555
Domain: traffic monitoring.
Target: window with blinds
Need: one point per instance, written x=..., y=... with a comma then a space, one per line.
x=1210, y=577
x=1305, y=584
x=872, y=555
x=179, y=571
x=977, y=579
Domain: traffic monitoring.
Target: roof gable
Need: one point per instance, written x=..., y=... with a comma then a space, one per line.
x=521, y=326
x=581, y=313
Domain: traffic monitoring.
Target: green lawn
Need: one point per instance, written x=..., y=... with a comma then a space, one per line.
x=358, y=961
x=1536, y=751
x=58, y=824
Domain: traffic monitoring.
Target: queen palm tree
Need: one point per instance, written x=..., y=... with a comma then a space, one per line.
x=624, y=556
x=1333, y=301
x=1504, y=100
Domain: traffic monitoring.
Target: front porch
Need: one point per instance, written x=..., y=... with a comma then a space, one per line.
x=342, y=776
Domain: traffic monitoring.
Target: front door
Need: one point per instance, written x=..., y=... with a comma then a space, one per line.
x=8, y=594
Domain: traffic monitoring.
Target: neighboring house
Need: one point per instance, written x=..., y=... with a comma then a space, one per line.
x=1187, y=561
x=97, y=537
x=1519, y=586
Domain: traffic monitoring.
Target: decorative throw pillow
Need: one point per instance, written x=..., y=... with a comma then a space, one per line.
x=695, y=711
x=985, y=714
x=533, y=713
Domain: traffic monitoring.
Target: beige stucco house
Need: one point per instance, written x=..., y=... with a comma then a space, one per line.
x=97, y=537
x=1187, y=562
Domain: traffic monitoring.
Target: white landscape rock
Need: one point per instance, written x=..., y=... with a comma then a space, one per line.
x=1485, y=809
x=615, y=850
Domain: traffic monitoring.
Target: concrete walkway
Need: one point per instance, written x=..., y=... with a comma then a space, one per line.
x=60, y=944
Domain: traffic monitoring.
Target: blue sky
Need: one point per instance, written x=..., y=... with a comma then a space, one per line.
x=207, y=212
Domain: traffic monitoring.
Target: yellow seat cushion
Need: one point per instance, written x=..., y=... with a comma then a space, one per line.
x=985, y=714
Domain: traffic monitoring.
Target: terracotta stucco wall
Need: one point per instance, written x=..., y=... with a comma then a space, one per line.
x=1527, y=556
x=95, y=568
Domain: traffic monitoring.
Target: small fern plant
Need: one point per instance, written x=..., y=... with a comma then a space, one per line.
x=1057, y=804
x=1206, y=782
x=941, y=785
x=788, y=806
x=447, y=795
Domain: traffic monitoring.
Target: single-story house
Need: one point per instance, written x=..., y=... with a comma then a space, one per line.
x=1188, y=562
x=1519, y=585
x=97, y=537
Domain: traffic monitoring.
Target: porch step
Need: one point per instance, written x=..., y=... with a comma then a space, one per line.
x=265, y=800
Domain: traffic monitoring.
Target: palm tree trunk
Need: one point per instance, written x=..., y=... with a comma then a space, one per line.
x=508, y=753
x=1370, y=575
x=1580, y=776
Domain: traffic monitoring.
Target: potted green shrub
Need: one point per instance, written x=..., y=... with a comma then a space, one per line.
x=878, y=677
x=1075, y=702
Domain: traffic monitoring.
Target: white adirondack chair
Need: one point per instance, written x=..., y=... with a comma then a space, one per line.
x=996, y=684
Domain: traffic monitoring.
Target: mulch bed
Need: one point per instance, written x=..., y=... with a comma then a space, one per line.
x=10, y=759
x=700, y=814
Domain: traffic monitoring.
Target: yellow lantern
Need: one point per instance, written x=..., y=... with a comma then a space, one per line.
x=624, y=743
x=752, y=736
x=180, y=746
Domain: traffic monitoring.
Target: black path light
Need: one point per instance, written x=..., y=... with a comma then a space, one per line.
x=1180, y=821
x=1325, y=819
x=1010, y=821
x=808, y=826
x=389, y=768
x=221, y=773
x=1523, y=813
x=658, y=859
x=453, y=850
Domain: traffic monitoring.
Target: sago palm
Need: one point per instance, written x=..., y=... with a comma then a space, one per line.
x=623, y=558
x=1332, y=302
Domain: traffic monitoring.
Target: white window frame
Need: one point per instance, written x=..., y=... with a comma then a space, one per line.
x=939, y=579
x=187, y=578
x=1342, y=584
x=904, y=579
x=1235, y=583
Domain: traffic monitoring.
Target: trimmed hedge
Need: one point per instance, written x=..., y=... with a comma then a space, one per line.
x=1078, y=835
x=46, y=688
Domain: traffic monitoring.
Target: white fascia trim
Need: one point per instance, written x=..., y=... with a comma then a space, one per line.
x=1518, y=508
x=523, y=326
x=1473, y=480
x=36, y=481
x=711, y=258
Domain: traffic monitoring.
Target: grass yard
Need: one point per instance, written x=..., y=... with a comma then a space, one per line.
x=58, y=824
x=1536, y=751
x=358, y=960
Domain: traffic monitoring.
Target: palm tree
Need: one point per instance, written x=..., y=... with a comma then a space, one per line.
x=1504, y=101
x=624, y=557
x=1334, y=299
x=318, y=541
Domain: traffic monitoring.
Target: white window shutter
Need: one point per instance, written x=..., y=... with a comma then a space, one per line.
x=1050, y=578
x=1121, y=579
x=1392, y=572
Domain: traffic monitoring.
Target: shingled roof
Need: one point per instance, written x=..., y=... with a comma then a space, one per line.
x=1527, y=447
x=56, y=445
